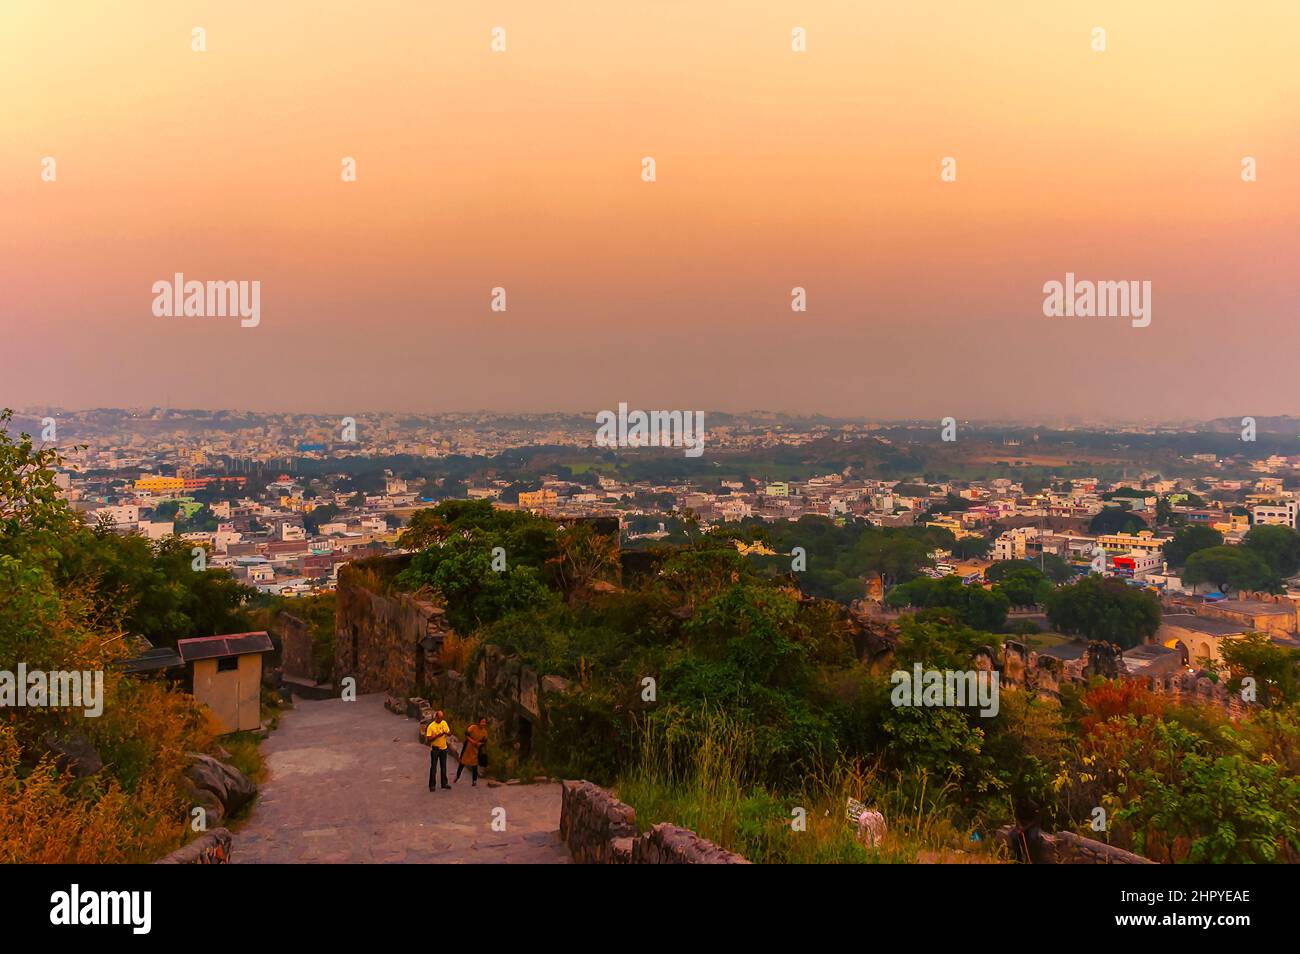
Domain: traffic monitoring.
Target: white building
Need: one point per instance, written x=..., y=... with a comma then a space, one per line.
x=1013, y=544
x=156, y=530
x=122, y=517
x=1274, y=515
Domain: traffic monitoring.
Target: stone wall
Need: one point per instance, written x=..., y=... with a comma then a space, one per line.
x=1277, y=624
x=1066, y=848
x=210, y=849
x=387, y=642
x=391, y=643
x=666, y=844
x=1188, y=687
x=295, y=648
x=599, y=829
x=1072, y=849
x=596, y=827
x=1021, y=667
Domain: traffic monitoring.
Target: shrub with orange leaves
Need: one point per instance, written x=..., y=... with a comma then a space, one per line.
x=1116, y=699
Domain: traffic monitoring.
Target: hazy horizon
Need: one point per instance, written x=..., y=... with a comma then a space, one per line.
x=1072, y=421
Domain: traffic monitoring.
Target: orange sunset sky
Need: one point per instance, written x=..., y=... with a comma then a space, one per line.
x=775, y=169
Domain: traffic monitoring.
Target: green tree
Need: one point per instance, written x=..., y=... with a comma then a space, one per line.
x=1229, y=568
x=151, y=588
x=1104, y=608
x=474, y=591
x=950, y=504
x=1278, y=546
x=1164, y=512
x=971, y=548
x=894, y=555
x=1116, y=520
x=1048, y=565
x=1188, y=540
x=973, y=605
x=317, y=516
x=33, y=513
x=1229, y=808
x=1025, y=587
x=1275, y=668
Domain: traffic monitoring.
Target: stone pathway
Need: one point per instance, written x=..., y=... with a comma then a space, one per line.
x=348, y=783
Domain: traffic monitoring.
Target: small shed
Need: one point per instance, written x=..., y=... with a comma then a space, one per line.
x=226, y=674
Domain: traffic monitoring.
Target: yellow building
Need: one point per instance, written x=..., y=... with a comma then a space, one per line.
x=226, y=676
x=1235, y=523
x=1144, y=542
x=953, y=525
x=1198, y=638
x=160, y=485
x=533, y=500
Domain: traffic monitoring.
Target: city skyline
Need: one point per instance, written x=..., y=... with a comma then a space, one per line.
x=746, y=414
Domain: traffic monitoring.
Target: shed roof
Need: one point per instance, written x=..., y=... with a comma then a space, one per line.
x=232, y=644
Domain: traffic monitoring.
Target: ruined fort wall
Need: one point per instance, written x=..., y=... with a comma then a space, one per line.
x=391, y=642
x=387, y=642
x=600, y=829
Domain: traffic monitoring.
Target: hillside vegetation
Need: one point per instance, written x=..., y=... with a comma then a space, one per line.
x=717, y=695
x=72, y=599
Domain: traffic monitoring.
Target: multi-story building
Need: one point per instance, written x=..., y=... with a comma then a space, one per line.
x=1144, y=542
x=160, y=485
x=538, y=499
x=1274, y=514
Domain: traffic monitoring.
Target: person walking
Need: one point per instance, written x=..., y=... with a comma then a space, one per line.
x=471, y=754
x=438, y=733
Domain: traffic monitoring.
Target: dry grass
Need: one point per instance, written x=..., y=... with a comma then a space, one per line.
x=134, y=810
x=457, y=650
x=714, y=799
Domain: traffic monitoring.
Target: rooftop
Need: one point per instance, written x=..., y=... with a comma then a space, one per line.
x=1202, y=624
x=233, y=644
x=1257, y=607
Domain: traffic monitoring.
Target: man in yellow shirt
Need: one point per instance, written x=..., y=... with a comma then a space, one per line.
x=438, y=733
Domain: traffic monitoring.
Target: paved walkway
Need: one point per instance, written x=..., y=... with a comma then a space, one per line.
x=348, y=782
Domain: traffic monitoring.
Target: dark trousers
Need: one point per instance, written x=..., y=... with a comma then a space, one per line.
x=473, y=772
x=437, y=757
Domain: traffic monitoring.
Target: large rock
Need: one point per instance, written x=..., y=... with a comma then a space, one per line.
x=214, y=812
x=231, y=787
x=555, y=685
x=74, y=754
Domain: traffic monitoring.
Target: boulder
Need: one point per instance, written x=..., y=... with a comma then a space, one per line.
x=230, y=786
x=74, y=754
x=214, y=811
x=555, y=685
